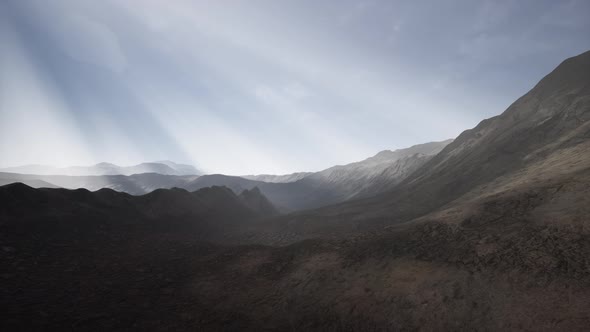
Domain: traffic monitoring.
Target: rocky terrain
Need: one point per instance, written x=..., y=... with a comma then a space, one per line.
x=503, y=276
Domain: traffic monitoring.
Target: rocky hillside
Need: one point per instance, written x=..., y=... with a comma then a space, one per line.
x=375, y=174
x=543, y=137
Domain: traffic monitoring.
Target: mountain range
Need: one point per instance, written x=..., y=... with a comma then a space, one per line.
x=485, y=232
x=160, y=167
x=288, y=192
x=64, y=211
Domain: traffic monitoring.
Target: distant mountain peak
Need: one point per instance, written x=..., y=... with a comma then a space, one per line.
x=285, y=178
x=255, y=200
x=106, y=168
x=103, y=164
x=253, y=191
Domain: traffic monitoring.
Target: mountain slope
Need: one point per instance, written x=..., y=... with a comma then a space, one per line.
x=375, y=174
x=286, y=178
x=547, y=121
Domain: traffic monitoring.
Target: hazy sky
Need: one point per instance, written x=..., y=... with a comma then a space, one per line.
x=241, y=87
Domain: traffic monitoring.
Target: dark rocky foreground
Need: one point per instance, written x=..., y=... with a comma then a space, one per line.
x=430, y=276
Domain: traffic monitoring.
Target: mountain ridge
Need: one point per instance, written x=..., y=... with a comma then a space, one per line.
x=210, y=211
x=288, y=192
x=105, y=168
x=553, y=115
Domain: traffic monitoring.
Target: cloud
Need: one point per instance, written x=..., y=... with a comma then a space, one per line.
x=266, y=86
x=90, y=41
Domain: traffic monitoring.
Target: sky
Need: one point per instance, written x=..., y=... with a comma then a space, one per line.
x=265, y=86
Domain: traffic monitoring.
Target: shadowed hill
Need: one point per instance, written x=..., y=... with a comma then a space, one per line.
x=255, y=200
x=207, y=211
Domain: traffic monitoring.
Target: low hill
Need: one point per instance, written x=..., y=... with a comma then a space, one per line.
x=206, y=212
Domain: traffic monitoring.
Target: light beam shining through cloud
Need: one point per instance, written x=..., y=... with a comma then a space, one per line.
x=249, y=87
